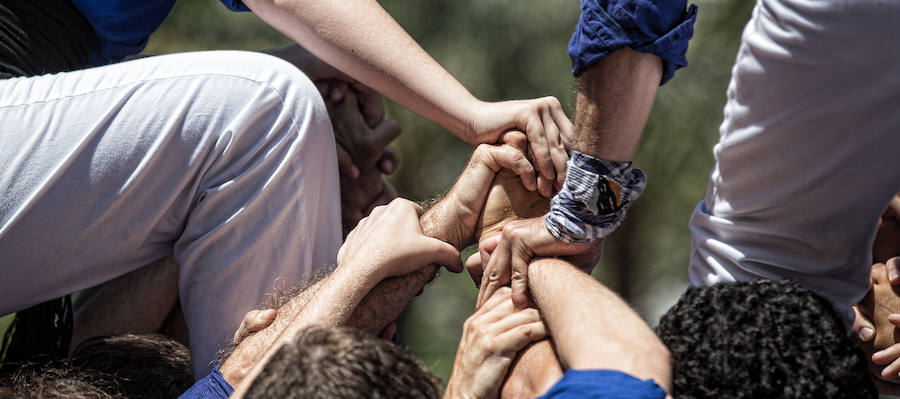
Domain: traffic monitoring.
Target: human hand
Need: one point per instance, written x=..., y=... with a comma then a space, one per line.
x=389, y=242
x=507, y=255
x=877, y=317
x=491, y=338
x=254, y=321
x=363, y=156
x=463, y=204
x=548, y=128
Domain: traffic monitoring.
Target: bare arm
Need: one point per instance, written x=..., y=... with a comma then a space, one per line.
x=362, y=40
x=614, y=99
x=592, y=327
x=452, y=220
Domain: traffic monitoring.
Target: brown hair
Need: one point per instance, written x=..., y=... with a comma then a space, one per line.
x=342, y=363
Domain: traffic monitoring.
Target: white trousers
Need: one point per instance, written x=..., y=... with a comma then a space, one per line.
x=224, y=159
x=809, y=154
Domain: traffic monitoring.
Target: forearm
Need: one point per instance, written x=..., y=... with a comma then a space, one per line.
x=390, y=297
x=592, y=327
x=387, y=60
x=615, y=96
x=339, y=296
x=534, y=371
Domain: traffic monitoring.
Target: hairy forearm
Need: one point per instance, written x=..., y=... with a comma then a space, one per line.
x=593, y=328
x=390, y=297
x=330, y=302
x=388, y=60
x=614, y=100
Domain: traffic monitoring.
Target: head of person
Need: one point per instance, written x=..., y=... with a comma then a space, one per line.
x=762, y=339
x=144, y=365
x=341, y=363
x=59, y=380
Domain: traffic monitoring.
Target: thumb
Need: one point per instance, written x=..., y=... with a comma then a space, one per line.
x=445, y=255
x=862, y=327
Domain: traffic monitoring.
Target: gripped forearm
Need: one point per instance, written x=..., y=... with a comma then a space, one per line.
x=388, y=60
x=390, y=297
x=328, y=302
x=592, y=327
x=614, y=100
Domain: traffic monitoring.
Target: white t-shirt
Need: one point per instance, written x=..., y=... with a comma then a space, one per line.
x=810, y=149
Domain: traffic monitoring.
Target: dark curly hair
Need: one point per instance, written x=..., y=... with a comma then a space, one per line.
x=342, y=363
x=762, y=339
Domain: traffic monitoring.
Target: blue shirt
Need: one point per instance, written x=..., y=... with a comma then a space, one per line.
x=603, y=384
x=213, y=386
x=662, y=28
x=123, y=26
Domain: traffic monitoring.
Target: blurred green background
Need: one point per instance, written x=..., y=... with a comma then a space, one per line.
x=507, y=49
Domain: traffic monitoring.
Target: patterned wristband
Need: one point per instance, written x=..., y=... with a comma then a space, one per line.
x=594, y=198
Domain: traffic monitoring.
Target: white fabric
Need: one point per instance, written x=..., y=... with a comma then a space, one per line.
x=808, y=156
x=226, y=159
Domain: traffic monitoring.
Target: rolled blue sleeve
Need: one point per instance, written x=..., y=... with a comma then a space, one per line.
x=603, y=384
x=662, y=28
x=213, y=386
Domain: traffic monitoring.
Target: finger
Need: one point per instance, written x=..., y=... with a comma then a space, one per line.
x=517, y=338
x=519, y=281
x=338, y=90
x=445, y=255
x=886, y=356
x=893, y=270
x=485, y=247
x=894, y=318
x=345, y=163
x=545, y=187
x=474, y=267
x=537, y=139
x=388, y=161
x=496, y=274
x=262, y=320
x=515, y=318
x=555, y=147
x=516, y=139
x=891, y=372
x=862, y=327
x=254, y=321
x=509, y=157
x=566, y=127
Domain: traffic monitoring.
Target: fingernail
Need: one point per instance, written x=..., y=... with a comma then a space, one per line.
x=354, y=172
x=335, y=94
x=894, y=277
x=866, y=334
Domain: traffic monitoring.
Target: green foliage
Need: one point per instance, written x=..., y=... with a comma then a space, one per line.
x=505, y=49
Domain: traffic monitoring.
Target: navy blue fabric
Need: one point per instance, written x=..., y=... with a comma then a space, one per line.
x=213, y=386
x=235, y=5
x=603, y=384
x=662, y=28
x=123, y=26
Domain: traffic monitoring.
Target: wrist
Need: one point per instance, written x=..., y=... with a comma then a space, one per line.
x=594, y=199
